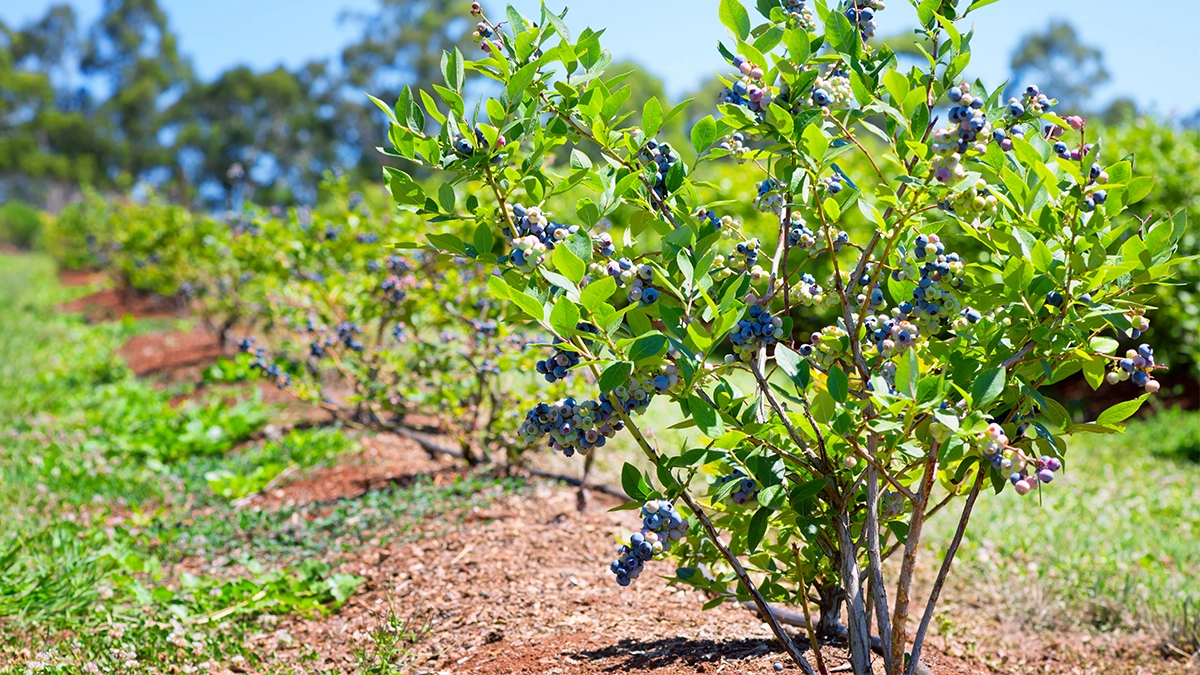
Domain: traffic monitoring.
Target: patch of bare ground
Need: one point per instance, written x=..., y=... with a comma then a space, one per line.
x=173, y=354
x=382, y=461
x=522, y=586
x=80, y=277
x=114, y=303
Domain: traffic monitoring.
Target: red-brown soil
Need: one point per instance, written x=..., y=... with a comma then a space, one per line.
x=80, y=277
x=112, y=304
x=522, y=586
x=383, y=460
x=175, y=354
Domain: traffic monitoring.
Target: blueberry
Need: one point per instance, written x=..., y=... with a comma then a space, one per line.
x=1126, y=365
x=1054, y=299
x=1145, y=351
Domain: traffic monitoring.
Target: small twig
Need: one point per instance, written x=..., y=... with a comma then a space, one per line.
x=947, y=561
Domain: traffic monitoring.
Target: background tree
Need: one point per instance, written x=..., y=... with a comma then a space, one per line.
x=132, y=51
x=279, y=125
x=1059, y=62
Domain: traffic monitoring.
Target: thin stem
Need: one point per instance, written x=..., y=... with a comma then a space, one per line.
x=875, y=563
x=763, y=608
x=908, y=566
x=947, y=561
x=808, y=622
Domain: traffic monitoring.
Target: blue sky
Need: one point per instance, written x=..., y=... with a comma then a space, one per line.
x=1150, y=52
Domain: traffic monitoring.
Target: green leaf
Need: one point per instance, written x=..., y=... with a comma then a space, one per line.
x=839, y=384
x=1121, y=411
x=452, y=69
x=735, y=17
x=580, y=160
x=772, y=497
x=564, y=317
x=529, y=304
x=634, y=483
x=704, y=133
x=926, y=12
x=483, y=239
x=651, y=116
x=569, y=264
x=447, y=242
x=615, y=375
x=707, y=419
x=841, y=35
x=987, y=387
x=809, y=490
x=908, y=373
x=1139, y=188
x=780, y=119
x=597, y=292
x=758, y=528
x=560, y=26
x=520, y=81
x=446, y=197
x=648, y=346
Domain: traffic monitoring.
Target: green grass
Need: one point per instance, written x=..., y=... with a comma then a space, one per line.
x=1115, y=543
x=99, y=479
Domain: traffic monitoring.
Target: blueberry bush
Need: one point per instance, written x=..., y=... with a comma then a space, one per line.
x=992, y=255
x=322, y=311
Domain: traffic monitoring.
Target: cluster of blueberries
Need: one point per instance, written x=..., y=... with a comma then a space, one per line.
x=1097, y=176
x=968, y=131
x=1032, y=101
x=637, y=276
x=261, y=364
x=1136, y=367
x=465, y=147
x=395, y=288
x=1062, y=150
x=661, y=525
x=831, y=90
x=862, y=14
x=603, y=245
x=347, y=334
x=748, y=91
x=1138, y=323
x=727, y=225
x=534, y=235
x=972, y=203
x=799, y=234
x=758, y=329
x=734, y=144
x=1037, y=471
x=579, y=426
x=832, y=183
x=824, y=345
x=574, y=426
x=558, y=364
x=799, y=13
x=746, y=490
x=769, y=197
x=811, y=293
x=938, y=274
x=663, y=157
